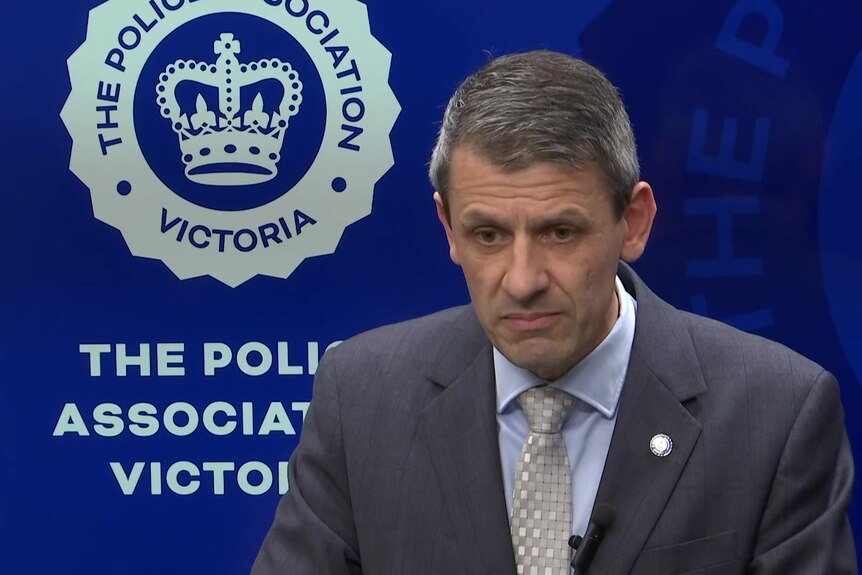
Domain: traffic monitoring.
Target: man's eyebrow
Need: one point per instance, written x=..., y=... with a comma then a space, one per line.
x=476, y=216
x=569, y=215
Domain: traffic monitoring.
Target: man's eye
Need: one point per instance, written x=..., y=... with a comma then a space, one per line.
x=487, y=236
x=561, y=234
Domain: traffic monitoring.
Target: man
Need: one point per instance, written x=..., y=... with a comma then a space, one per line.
x=701, y=449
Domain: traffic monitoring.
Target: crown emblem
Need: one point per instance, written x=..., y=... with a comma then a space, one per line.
x=229, y=142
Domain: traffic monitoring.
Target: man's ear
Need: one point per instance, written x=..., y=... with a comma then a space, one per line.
x=444, y=221
x=638, y=216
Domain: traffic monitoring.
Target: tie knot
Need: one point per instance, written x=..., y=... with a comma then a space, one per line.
x=546, y=408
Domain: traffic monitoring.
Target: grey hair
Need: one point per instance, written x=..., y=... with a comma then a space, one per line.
x=540, y=106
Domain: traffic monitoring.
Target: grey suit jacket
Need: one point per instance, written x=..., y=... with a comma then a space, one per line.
x=398, y=469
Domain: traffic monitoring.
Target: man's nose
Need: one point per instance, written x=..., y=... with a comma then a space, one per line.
x=526, y=275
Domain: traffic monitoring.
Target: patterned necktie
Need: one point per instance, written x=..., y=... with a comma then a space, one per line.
x=542, y=506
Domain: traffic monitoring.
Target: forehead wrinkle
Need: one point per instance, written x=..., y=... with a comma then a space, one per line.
x=496, y=183
x=475, y=215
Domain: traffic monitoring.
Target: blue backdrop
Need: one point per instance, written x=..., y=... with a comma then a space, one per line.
x=749, y=128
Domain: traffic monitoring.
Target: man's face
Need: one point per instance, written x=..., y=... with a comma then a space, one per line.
x=539, y=248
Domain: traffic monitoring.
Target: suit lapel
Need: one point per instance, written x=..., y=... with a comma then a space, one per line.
x=663, y=373
x=459, y=427
x=636, y=483
x=461, y=433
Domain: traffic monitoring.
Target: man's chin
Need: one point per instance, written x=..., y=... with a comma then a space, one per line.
x=540, y=362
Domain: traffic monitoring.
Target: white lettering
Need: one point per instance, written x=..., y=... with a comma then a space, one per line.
x=108, y=420
x=218, y=469
x=284, y=367
x=276, y=420
x=216, y=356
x=188, y=478
x=210, y=422
x=246, y=366
x=127, y=482
x=70, y=421
x=301, y=406
x=171, y=424
x=181, y=419
x=125, y=360
x=265, y=478
x=173, y=478
x=144, y=423
x=95, y=351
x=170, y=359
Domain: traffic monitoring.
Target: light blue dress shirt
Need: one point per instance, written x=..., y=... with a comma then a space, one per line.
x=596, y=383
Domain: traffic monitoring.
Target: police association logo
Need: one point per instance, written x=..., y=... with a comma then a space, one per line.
x=230, y=138
x=229, y=148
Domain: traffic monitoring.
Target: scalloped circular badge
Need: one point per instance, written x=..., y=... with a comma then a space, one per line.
x=230, y=138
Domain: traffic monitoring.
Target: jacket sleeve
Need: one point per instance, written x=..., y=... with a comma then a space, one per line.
x=313, y=530
x=804, y=528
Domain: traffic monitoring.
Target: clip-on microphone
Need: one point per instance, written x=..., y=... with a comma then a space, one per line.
x=585, y=547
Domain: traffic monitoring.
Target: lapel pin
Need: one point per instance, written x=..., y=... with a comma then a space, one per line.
x=660, y=445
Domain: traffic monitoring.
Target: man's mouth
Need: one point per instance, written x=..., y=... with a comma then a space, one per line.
x=530, y=320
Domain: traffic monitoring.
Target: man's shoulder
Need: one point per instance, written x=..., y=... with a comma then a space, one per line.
x=417, y=332
x=393, y=366
x=668, y=335
x=733, y=371
x=419, y=340
x=722, y=348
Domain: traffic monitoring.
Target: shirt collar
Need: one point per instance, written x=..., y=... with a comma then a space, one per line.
x=597, y=380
